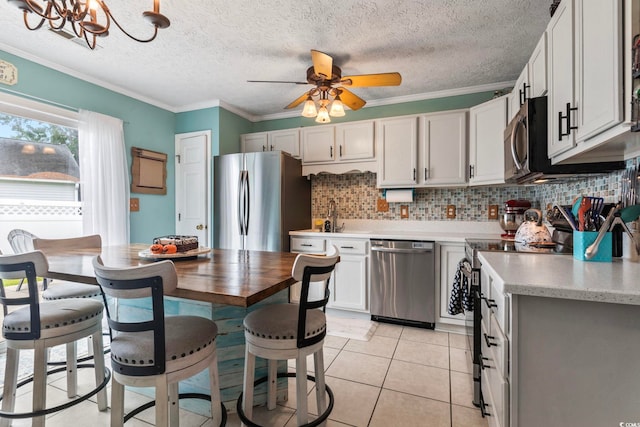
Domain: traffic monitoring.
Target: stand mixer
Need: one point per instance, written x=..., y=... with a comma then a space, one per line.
x=512, y=217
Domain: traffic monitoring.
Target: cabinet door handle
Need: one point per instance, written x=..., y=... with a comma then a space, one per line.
x=482, y=364
x=271, y=148
x=264, y=148
x=523, y=93
x=341, y=151
x=490, y=302
x=567, y=117
x=308, y=245
x=426, y=175
x=483, y=410
x=414, y=174
x=331, y=152
x=471, y=167
x=487, y=338
x=347, y=247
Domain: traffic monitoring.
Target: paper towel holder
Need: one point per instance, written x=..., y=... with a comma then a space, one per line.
x=399, y=195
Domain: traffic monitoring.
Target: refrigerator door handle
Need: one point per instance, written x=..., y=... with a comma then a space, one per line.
x=241, y=203
x=247, y=207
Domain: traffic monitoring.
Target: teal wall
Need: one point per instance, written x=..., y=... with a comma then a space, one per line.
x=145, y=126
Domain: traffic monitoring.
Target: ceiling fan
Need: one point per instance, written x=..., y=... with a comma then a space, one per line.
x=329, y=84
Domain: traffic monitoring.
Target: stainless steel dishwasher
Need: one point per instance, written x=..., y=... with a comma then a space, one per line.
x=403, y=282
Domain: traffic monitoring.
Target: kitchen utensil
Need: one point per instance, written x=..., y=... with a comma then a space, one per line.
x=558, y=218
x=532, y=229
x=630, y=213
x=569, y=216
x=576, y=205
x=592, y=249
x=618, y=221
x=585, y=205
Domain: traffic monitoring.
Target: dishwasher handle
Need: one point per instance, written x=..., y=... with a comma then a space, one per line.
x=400, y=251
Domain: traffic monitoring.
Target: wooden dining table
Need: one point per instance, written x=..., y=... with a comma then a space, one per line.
x=222, y=285
x=222, y=276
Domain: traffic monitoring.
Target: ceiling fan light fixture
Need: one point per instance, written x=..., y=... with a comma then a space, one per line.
x=323, y=115
x=337, y=108
x=309, y=109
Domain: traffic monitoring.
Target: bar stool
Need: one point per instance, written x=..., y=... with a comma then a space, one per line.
x=290, y=331
x=61, y=289
x=40, y=326
x=151, y=350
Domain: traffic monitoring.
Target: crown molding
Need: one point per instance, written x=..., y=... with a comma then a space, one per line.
x=84, y=77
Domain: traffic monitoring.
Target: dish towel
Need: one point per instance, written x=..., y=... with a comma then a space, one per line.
x=460, y=300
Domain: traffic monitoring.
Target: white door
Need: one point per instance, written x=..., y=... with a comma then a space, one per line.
x=193, y=175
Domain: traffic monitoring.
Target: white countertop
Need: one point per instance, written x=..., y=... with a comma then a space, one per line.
x=562, y=276
x=438, y=231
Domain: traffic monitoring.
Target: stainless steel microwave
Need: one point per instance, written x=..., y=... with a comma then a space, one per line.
x=525, y=149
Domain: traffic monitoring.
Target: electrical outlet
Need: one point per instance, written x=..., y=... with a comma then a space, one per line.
x=134, y=204
x=404, y=211
x=493, y=212
x=382, y=205
x=451, y=211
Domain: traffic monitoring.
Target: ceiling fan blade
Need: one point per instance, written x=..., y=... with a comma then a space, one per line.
x=322, y=64
x=298, y=101
x=351, y=100
x=276, y=81
x=363, y=80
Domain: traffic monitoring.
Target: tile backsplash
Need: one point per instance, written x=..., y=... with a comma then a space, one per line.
x=356, y=196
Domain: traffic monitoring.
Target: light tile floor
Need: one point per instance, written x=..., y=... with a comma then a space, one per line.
x=403, y=376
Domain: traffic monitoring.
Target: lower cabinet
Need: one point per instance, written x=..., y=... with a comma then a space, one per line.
x=349, y=284
x=450, y=256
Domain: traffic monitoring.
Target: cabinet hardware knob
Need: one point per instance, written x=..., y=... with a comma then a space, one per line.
x=199, y=227
x=341, y=151
x=264, y=148
x=426, y=175
x=414, y=174
x=490, y=302
x=567, y=117
x=331, y=152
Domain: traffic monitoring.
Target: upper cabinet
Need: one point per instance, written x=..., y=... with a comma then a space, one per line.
x=287, y=140
x=487, y=122
x=424, y=151
x=397, y=147
x=338, y=148
x=585, y=74
x=532, y=81
x=442, y=149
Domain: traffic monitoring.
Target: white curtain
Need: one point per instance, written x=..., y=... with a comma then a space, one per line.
x=104, y=178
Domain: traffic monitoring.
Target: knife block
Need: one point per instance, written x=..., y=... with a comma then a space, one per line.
x=583, y=239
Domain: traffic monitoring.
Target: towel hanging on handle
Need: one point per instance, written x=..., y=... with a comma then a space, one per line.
x=460, y=299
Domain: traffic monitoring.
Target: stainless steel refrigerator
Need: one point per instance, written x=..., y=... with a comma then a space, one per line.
x=258, y=198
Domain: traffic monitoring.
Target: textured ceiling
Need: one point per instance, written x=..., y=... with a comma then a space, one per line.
x=213, y=47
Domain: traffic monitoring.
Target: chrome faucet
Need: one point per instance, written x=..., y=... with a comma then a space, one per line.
x=333, y=214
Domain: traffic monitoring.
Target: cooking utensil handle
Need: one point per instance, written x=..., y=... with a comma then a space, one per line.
x=592, y=249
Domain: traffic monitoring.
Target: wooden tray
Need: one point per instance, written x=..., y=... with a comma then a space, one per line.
x=193, y=253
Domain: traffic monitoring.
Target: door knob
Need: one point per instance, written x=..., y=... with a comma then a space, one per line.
x=199, y=227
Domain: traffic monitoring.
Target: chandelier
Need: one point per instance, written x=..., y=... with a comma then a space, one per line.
x=89, y=19
x=322, y=111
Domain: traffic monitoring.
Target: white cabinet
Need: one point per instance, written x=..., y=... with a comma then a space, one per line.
x=532, y=81
x=310, y=245
x=422, y=151
x=318, y=144
x=397, y=147
x=442, y=149
x=349, y=290
x=520, y=92
x=487, y=122
x=538, y=69
x=450, y=256
x=585, y=78
x=349, y=284
x=252, y=142
x=355, y=141
x=287, y=140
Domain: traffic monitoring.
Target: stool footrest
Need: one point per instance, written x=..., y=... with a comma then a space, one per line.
x=67, y=405
x=202, y=396
x=321, y=418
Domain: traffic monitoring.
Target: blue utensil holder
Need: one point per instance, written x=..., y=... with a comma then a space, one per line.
x=583, y=239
